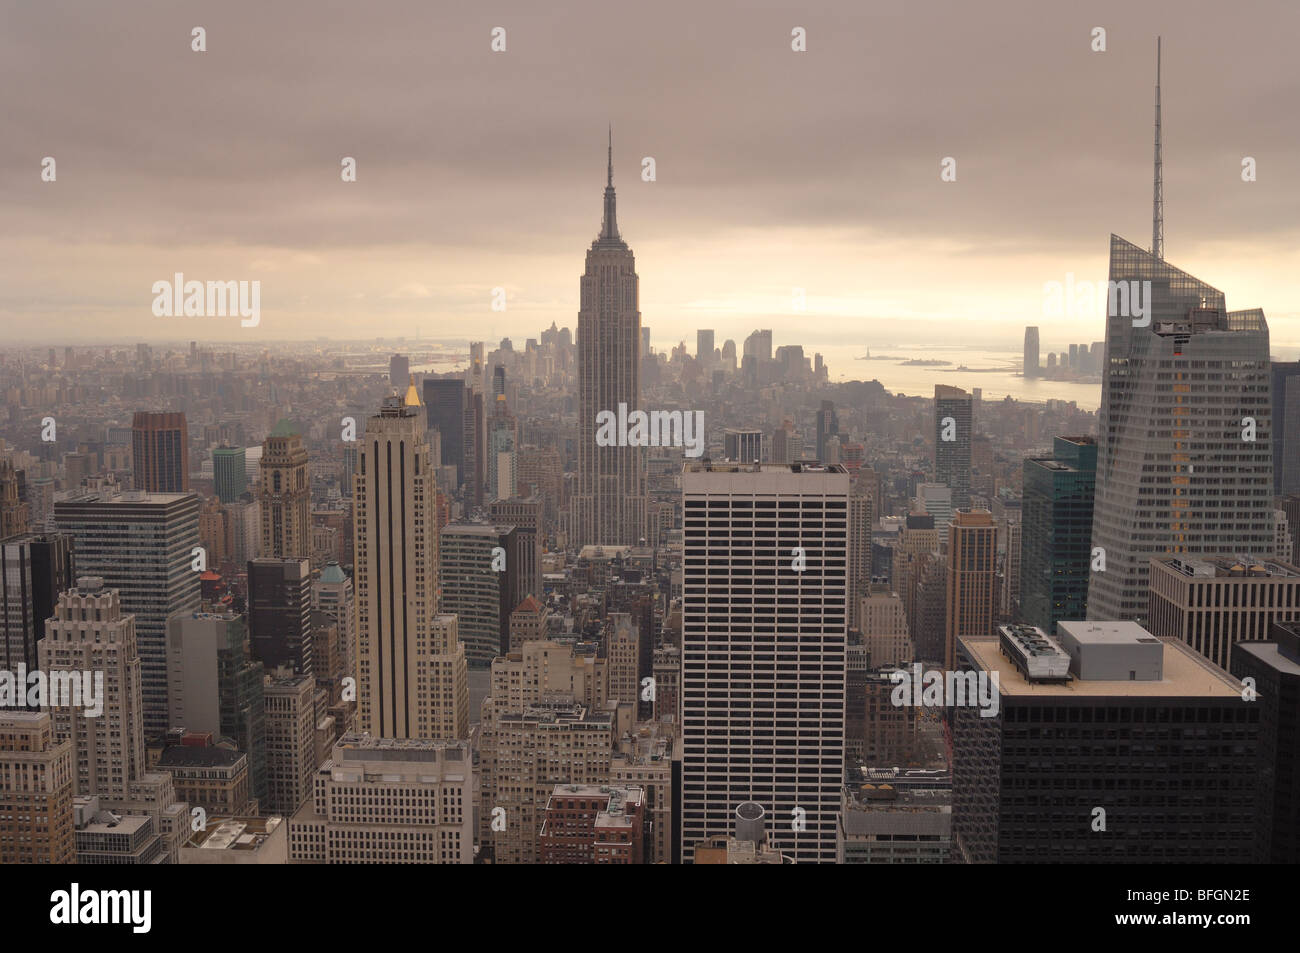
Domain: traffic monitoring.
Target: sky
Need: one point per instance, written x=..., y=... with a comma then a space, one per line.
x=774, y=169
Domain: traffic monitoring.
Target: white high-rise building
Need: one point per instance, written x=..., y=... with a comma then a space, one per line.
x=764, y=644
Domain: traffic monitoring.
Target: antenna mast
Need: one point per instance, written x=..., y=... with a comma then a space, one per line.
x=1158, y=192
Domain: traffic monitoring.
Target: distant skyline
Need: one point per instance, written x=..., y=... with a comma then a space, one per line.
x=775, y=170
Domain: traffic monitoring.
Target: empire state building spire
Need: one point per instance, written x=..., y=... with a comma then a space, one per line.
x=609, y=225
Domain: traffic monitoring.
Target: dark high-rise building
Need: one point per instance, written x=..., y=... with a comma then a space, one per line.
x=481, y=566
x=1056, y=533
x=608, y=506
x=142, y=545
x=952, y=442
x=1031, y=353
x=279, y=613
x=1286, y=427
x=33, y=571
x=1275, y=667
x=1103, y=744
x=160, y=452
x=229, y=473
x=15, y=512
x=444, y=403
x=399, y=369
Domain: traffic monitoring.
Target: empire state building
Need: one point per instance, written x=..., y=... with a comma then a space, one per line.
x=609, y=505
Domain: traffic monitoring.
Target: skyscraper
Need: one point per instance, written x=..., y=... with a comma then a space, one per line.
x=33, y=571
x=444, y=400
x=1184, y=455
x=402, y=645
x=285, y=495
x=229, y=476
x=952, y=442
x=482, y=567
x=160, y=452
x=609, y=504
x=91, y=633
x=972, y=579
x=764, y=644
x=38, y=780
x=1286, y=427
x=279, y=613
x=704, y=345
x=1056, y=542
x=1031, y=352
x=142, y=545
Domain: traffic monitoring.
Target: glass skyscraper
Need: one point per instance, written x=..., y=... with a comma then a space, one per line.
x=1184, y=456
x=1056, y=533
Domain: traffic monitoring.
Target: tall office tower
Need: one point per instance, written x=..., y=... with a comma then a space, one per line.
x=1275, y=667
x=444, y=401
x=91, y=633
x=952, y=442
x=481, y=565
x=1174, y=473
x=1185, y=378
x=1286, y=427
x=331, y=593
x=884, y=628
x=828, y=423
x=1056, y=537
x=862, y=519
x=972, y=579
x=396, y=544
x=229, y=473
x=502, y=440
x=33, y=571
x=15, y=515
x=217, y=686
x=1212, y=603
x=214, y=532
x=399, y=368
x=290, y=741
x=1102, y=700
x=142, y=545
x=387, y=801
x=1031, y=353
x=916, y=541
x=284, y=494
x=742, y=446
x=704, y=346
x=279, y=613
x=1009, y=545
x=525, y=515
x=244, y=520
x=764, y=649
x=622, y=650
x=609, y=503
x=759, y=346
x=473, y=438
x=160, y=452
x=593, y=824
x=38, y=778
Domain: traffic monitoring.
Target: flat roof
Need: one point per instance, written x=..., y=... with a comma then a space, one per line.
x=1106, y=633
x=1186, y=674
x=1270, y=654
